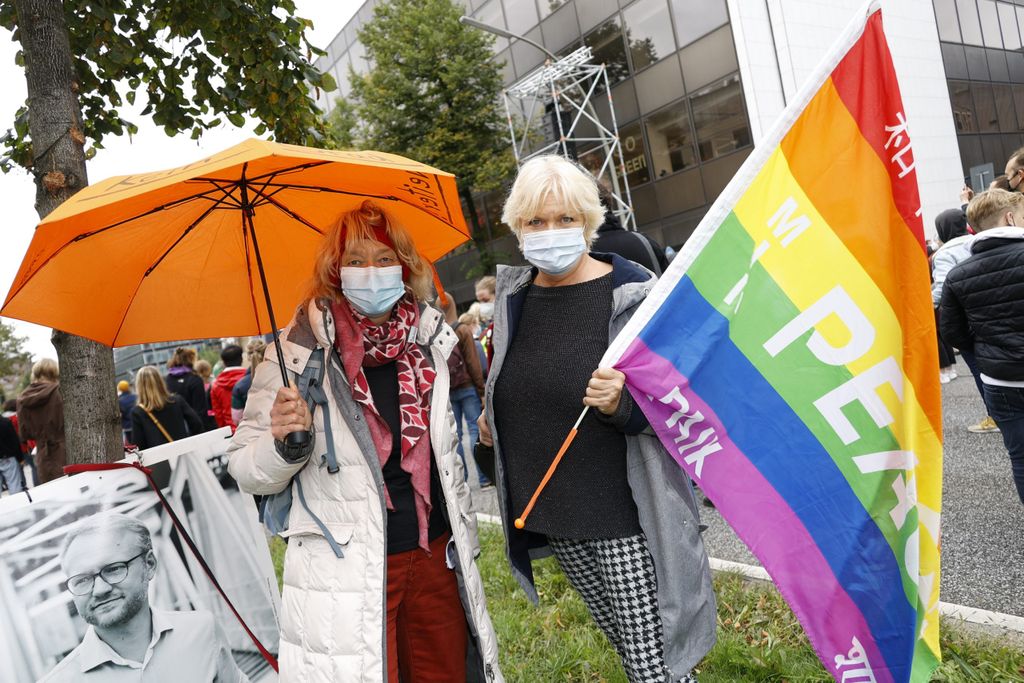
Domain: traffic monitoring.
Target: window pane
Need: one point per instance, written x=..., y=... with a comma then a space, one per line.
x=606, y=43
x=492, y=15
x=720, y=119
x=953, y=60
x=1018, y=101
x=963, y=107
x=997, y=68
x=549, y=6
x=1020, y=20
x=1004, y=108
x=634, y=153
x=990, y=23
x=709, y=59
x=671, y=140
x=694, y=19
x=970, y=25
x=985, y=107
x=521, y=15
x=945, y=18
x=648, y=32
x=1008, y=25
x=977, y=63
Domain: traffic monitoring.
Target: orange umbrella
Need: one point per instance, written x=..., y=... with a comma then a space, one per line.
x=211, y=248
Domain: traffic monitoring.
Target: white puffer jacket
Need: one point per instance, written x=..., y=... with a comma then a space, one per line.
x=333, y=626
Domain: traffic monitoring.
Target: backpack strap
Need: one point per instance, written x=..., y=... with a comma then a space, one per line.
x=328, y=536
x=311, y=387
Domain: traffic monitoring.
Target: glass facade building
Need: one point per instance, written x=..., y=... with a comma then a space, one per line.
x=981, y=43
x=675, y=84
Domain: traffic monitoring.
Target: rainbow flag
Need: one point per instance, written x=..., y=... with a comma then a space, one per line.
x=787, y=361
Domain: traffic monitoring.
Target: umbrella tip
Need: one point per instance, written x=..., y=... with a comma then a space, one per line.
x=520, y=523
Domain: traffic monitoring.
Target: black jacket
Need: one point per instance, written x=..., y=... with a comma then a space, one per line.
x=982, y=306
x=177, y=417
x=189, y=386
x=10, y=444
x=612, y=238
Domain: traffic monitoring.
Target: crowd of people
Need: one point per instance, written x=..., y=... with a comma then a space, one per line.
x=188, y=400
x=385, y=380
x=978, y=294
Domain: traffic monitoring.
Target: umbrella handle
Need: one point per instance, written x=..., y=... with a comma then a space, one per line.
x=521, y=520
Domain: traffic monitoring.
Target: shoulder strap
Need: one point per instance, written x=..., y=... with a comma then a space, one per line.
x=158, y=425
x=311, y=388
x=650, y=251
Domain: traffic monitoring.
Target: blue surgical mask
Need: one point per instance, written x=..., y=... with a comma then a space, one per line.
x=554, y=251
x=372, y=291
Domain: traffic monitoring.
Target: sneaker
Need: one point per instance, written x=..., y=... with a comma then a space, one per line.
x=943, y=377
x=952, y=373
x=986, y=426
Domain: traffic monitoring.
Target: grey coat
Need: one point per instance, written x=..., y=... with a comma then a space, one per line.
x=662, y=492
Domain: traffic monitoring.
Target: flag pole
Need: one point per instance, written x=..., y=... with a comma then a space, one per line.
x=521, y=520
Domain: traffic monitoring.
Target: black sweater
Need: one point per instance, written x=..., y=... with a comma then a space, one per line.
x=177, y=417
x=559, y=341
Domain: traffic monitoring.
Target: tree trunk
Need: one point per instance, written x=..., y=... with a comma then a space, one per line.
x=91, y=419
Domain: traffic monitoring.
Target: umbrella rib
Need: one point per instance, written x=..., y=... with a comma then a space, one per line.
x=79, y=238
x=284, y=209
x=271, y=174
x=184, y=234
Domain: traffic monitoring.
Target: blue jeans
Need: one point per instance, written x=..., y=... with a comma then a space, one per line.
x=1006, y=406
x=972, y=364
x=11, y=474
x=466, y=404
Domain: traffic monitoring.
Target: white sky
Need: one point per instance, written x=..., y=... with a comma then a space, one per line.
x=151, y=149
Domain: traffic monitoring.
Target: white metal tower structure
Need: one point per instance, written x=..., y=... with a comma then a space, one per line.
x=559, y=97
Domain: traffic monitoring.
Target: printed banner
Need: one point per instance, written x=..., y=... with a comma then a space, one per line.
x=787, y=360
x=89, y=561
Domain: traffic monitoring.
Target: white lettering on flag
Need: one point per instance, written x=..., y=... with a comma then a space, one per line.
x=839, y=303
x=682, y=420
x=786, y=227
x=899, y=140
x=854, y=666
x=862, y=388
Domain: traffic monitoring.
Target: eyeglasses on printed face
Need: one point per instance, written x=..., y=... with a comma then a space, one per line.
x=114, y=573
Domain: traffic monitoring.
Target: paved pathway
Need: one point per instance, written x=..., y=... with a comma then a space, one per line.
x=982, y=518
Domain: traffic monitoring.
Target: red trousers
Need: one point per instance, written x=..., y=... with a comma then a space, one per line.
x=426, y=623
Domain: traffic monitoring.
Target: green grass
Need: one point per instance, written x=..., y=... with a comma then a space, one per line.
x=759, y=639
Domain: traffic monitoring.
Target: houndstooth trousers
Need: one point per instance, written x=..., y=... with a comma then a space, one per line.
x=615, y=577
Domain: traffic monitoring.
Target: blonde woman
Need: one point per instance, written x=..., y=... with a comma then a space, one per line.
x=254, y=353
x=380, y=575
x=41, y=418
x=158, y=416
x=618, y=514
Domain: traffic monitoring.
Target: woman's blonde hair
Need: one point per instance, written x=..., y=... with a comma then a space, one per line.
x=150, y=387
x=989, y=208
x=557, y=177
x=203, y=369
x=359, y=225
x=469, y=318
x=45, y=370
x=183, y=356
x=255, y=350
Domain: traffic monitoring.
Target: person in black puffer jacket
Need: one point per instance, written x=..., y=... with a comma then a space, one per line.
x=982, y=310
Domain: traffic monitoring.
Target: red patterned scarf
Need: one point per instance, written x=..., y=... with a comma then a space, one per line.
x=361, y=343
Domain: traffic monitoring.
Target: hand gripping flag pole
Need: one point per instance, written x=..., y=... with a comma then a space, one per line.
x=521, y=520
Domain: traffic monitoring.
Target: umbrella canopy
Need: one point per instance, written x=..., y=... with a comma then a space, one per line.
x=178, y=254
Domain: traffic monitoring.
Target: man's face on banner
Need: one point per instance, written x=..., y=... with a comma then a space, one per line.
x=120, y=572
